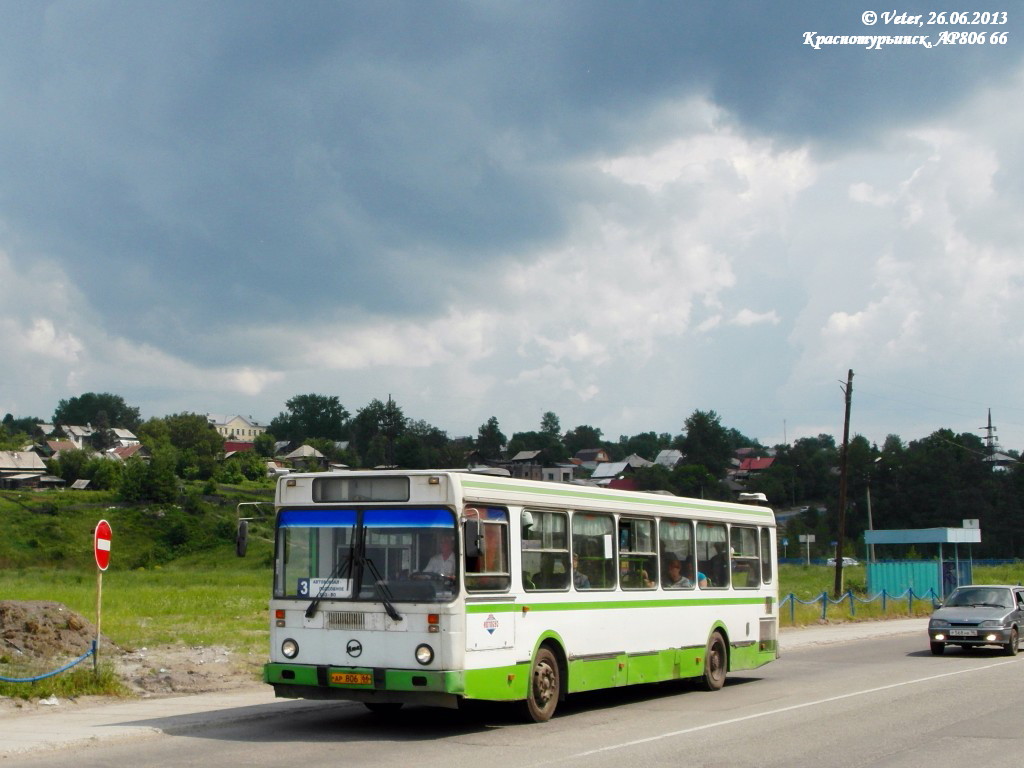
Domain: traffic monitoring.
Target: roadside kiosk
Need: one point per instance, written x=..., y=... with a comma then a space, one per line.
x=941, y=575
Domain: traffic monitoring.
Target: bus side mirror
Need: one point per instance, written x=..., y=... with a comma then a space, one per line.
x=242, y=538
x=473, y=537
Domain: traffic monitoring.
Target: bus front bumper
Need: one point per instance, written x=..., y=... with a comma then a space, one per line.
x=304, y=681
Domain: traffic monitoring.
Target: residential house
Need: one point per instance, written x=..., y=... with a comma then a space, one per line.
x=20, y=469
x=236, y=428
x=125, y=437
x=670, y=458
x=560, y=473
x=588, y=458
x=1000, y=462
x=305, y=457
x=125, y=452
x=52, y=449
x=77, y=434
x=753, y=466
x=618, y=474
x=525, y=465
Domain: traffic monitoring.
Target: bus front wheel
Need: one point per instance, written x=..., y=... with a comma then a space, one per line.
x=715, y=663
x=545, y=687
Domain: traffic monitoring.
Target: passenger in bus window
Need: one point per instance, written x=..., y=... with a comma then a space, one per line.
x=579, y=578
x=444, y=561
x=673, y=574
x=719, y=565
x=631, y=577
x=688, y=569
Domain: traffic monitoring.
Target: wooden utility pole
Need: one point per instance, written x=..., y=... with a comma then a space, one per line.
x=838, y=588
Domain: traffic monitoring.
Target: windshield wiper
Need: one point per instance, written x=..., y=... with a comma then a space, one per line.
x=381, y=587
x=338, y=569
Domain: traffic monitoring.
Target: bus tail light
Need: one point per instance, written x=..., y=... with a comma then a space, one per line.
x=433, y=622
x=279, y=617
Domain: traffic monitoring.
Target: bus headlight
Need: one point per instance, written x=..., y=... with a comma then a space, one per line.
x=424, y=654
x=290, y=648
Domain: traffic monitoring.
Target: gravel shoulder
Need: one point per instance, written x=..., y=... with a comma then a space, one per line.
x=35, y=634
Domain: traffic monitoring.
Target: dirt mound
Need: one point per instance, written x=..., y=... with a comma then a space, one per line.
x=36, y=634
x=33, y=630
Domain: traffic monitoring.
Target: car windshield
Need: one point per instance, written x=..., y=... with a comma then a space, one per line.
x=989, y=597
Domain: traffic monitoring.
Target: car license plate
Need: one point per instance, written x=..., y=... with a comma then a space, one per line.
x=962, y=632
x=351, y=678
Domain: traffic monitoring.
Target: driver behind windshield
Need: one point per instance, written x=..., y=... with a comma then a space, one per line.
x=444, y=561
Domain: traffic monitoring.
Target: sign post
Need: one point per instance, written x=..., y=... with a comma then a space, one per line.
x=807, y=539
x=101, y=551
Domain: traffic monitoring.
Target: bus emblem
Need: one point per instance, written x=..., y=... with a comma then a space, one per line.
x=491, y=624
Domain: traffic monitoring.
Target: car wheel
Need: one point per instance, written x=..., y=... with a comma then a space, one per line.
x=545, y=687
x=938, y=648
x=1010, y=649
x=716, y=662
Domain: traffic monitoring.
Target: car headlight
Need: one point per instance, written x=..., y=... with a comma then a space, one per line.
x=424, y=654
x=938, y=624
x=991, y=623
x=290, y=649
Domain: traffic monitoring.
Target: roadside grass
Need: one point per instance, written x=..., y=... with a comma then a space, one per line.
x=807, y=583
x=216, y=599
x=81, y=680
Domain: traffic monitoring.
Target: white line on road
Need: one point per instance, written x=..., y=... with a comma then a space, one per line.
x=731, y=721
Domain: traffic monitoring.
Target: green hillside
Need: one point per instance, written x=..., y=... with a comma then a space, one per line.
x=55, y=529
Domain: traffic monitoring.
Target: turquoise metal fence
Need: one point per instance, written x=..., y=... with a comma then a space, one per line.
x=69, y=665
x=852, y=600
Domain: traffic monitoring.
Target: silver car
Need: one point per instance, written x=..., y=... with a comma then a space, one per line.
x=982, y=614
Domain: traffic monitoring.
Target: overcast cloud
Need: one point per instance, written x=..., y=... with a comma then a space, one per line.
x=616, y=212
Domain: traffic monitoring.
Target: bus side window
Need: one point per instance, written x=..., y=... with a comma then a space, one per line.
x=713, y=553
x=487, y=569
x=746, y=571
x=545, y=551
x=593, y=541
x=766, y=556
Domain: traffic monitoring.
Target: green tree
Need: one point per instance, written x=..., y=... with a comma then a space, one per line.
x=104, y=474
x=161, y=483
x=71, y=465
x=197, y=444
x=263, y=445
x=377, y=419
x=550, y=425
x=490, y=440
x=132, y=487
x=550, y=446
x=646, y=444
x=706, y=442
x=15, y=434
x=582, y=438
x=311, y=416
x=86, y=409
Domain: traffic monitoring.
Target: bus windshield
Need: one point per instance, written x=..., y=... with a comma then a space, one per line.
x=405, y=554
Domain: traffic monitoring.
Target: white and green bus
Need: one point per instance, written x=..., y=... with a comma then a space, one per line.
x=433, y=587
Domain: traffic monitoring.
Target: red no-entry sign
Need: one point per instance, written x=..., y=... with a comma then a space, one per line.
x=101, y=544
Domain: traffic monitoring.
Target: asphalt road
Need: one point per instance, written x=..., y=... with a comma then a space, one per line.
x=869, y=701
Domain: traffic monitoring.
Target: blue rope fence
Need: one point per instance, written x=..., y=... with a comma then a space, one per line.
x=66, y=667
x=852, y=599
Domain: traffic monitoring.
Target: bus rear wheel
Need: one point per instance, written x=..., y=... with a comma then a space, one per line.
x=545, y=687
x=716, y=663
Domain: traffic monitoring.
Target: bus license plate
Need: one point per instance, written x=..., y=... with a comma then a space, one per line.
x=962, y=633
x=351, y=678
